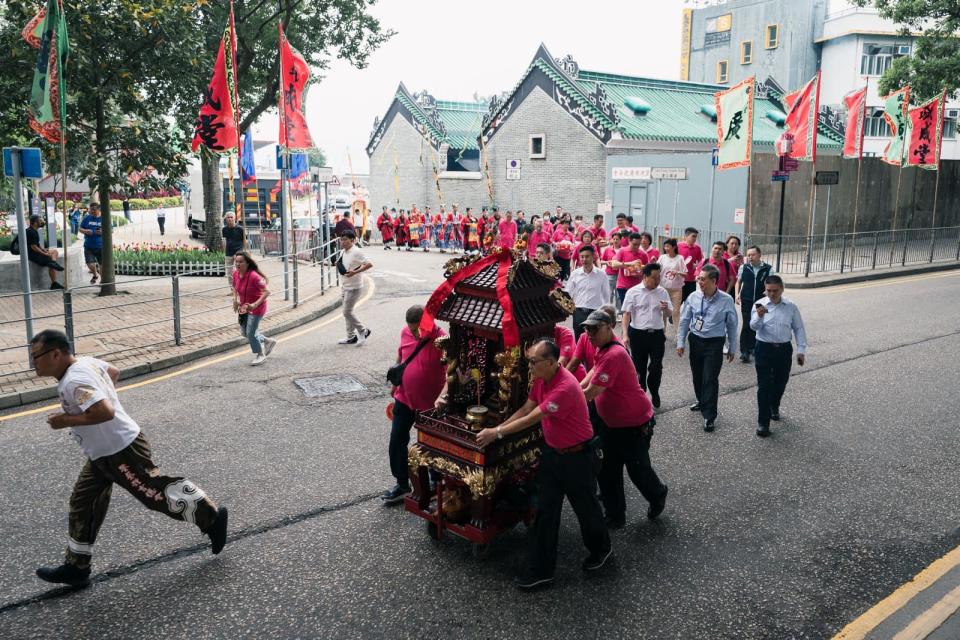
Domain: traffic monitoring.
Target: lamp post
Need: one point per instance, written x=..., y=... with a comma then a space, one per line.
x=783, y=146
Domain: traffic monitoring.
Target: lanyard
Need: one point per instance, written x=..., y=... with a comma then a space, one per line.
x=703, y=299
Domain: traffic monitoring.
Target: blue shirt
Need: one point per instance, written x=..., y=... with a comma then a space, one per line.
x=779, y=323
x=719, y=318
x=92, y=223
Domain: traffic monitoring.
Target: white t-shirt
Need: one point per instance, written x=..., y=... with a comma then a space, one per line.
x=352, y=259
x=668, y=264
x=83, y=385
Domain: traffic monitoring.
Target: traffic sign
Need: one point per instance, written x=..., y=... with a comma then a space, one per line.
x=715, y=159
x=30, y=165
x=827, y=178
x=335, y=181
x=780, y=176
x=323, y=174
x=668, y=173
x=790, y=164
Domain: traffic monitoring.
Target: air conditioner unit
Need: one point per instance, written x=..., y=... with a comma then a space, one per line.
x=903, y=49
x=952, y=113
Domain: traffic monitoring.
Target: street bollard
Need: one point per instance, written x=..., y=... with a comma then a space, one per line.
x=177, y=334
x=322, y=274
x=843, y=253
x=296, y=282
x=903, y=258
x=68, y=318
x=806, y=271
x=933, y=242
x=876, y=241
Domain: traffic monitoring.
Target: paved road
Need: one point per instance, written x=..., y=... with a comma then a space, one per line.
x=789, y=537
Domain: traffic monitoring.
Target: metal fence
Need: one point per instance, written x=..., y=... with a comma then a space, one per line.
x=168, y=310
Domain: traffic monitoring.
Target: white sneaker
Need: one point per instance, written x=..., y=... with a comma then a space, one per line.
x=258, y=360
x=268, y=346
x=361, y=338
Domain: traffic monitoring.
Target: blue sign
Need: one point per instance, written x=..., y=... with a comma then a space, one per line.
x=30, y=165
x=715, y=160
x=780, y=176
x=279, y=159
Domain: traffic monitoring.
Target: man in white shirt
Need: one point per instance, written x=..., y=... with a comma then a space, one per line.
x=643, y=309
x=351, y=264
x=775, y=319
x=588, y=286
x=117, y=453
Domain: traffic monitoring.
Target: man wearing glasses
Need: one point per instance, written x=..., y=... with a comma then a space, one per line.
x=568, y=463
x=707, y=316
x=624, y=420
x=117, y=453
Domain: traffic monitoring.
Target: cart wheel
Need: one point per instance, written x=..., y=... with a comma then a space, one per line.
x=480, y=551
x=432, y=531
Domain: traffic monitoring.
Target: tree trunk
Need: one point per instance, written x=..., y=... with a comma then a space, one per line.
x=108, y=285
x=212, y=199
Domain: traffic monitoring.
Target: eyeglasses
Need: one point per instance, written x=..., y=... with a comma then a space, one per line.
x=37, y=356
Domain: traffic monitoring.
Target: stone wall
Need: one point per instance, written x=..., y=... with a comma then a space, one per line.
x=401, y=146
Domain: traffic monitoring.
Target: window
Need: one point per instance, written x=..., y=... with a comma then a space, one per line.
x=875, y=126
x=538, y=146
x=722, y=71
x=773, y=36
x=746, y=52
x=877, y=58
x=950, y=123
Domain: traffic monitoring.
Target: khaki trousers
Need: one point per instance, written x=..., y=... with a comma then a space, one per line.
x=350, y=298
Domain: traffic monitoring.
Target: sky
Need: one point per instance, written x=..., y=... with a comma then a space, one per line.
x=454, y=49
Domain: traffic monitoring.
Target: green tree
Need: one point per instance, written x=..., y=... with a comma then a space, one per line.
x=935, y=62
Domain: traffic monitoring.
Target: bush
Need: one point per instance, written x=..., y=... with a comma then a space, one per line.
x=161, y=253
x=5, y=242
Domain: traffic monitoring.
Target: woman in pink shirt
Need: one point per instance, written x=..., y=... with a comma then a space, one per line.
x=536, y=237
x=586, y=237
x=608, y=253
x=629, y=260
x=508, y=231
x=250, y=295
x=733, y=252
x=646, y=243
x=563, y=240
x=567, y=344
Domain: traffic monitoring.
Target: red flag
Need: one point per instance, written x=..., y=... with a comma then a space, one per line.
x=803, y=106
x=856, y=103
x=216, y=128
x=925, y=133
x=294, y=74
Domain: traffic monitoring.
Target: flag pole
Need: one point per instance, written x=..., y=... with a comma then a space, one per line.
x=284, y=168
x=63, y=206
x=235, y=96
x=856, y=199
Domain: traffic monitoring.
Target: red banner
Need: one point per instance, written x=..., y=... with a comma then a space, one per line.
x=215, y=128
x=803, y=106
x=294, y=74
x=925, y=133
x=856, y=104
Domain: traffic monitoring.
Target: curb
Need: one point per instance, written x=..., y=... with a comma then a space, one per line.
x=19, y=399
x=867, y=276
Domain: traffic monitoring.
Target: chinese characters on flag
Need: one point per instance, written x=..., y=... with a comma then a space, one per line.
x=803, y=106
x=895, y=108
x=856, y=104
x=215, y=128
x=294, y=74
x=735, y=125
x=925, y=133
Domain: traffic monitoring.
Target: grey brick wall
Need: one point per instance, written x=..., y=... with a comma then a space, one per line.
x=403, y=142
x=571, y=175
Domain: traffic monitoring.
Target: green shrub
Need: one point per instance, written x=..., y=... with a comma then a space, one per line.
x=5, y=242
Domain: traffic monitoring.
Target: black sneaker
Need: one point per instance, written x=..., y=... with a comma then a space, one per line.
x=763, y=430
x=614, y=523
x=366, y=333
x=775, y=415
x=655, y=399
x=656, y=508
x=596, y=561
x=744, y=358
x=65, y=574
x=395, y=495
x=55, y=285
x=708, y=426
x=695, y=406
x=218, y=531
x=529, y=582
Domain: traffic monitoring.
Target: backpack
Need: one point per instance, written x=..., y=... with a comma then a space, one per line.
x=15, y=245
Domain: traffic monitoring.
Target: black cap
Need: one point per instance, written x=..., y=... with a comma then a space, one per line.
x=596, y=318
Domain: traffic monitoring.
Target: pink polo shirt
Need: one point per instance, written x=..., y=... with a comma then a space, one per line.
x=534, y=238
x=623, y=402
x=597, y=232
x=586, y=353
x=630, y=277
x=728, y=272
x=508, y=233
x=249, y=288
x=563, y=240
x=565, y=340
x=424, y=376
x=608, y=254
x=566, y=420
x=696, y=258
x=652, y=253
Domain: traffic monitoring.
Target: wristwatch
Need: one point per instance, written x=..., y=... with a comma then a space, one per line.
x=499, y=434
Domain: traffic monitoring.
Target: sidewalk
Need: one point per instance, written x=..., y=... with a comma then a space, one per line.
x=135, y=328
x=795, y=281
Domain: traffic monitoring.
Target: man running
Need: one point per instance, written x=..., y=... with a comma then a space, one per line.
x=117, y=453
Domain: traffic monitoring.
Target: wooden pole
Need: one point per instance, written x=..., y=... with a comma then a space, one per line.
x=896, y=198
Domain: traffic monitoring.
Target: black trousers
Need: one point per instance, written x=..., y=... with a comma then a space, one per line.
x=160, y=223
x=773, y=362
x=564, y=267
x=626, y=447
x=748, y=337
x=579, y=315
x=648, y=347
x=403, y=419
x=571, y=475
x=706, y=359
x=688, y=288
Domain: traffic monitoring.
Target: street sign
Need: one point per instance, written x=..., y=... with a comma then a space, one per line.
x=513, y=169
x=827, y=178
x=631, y=173
x=323, y=174
x=780, y=176
x=335, y=181
x=739, y=215
x=715, y=159
x=790, y=164
x=668, y=173
x=30, y=166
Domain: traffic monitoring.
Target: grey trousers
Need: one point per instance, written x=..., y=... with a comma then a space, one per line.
x=350, y=298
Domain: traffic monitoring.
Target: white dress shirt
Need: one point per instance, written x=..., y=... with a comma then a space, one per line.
x=643, y=305
x=779, y=322
x=589, y=290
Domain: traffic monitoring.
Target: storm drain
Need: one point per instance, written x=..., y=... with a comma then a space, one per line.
x=323, y=386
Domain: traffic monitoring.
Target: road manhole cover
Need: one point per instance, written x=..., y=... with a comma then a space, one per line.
x=323, y=386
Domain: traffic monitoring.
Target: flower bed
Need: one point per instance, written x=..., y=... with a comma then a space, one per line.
x=146, y=259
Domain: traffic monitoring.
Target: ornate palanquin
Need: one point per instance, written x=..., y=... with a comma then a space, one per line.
x=496, y=306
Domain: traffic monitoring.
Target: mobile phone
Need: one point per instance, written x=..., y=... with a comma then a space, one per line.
x=759, y=305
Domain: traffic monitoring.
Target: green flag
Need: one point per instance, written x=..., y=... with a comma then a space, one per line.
x=895, y=108
x=735, y=125
x=48, y=96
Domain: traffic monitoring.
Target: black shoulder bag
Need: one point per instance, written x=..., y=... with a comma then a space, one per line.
x=395, y=372
x=242, y=317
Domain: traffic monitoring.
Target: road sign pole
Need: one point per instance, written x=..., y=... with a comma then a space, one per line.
x=783, y=194
x=656, y=223
x=22, y=239
x=826, y=227
x=676, y=199
x=813, y=229
x=713, y=180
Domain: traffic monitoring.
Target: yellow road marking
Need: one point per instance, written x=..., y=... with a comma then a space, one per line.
x=202, y=365
x=863, y=625
x=931, y=619
x=885, y=283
